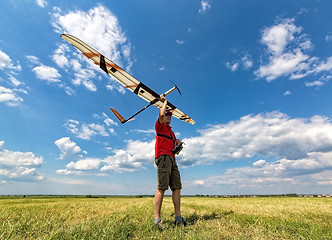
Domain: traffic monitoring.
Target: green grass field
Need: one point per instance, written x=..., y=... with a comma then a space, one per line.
x=132, y=218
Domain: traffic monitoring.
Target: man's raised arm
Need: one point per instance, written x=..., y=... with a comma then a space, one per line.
x=162, y=109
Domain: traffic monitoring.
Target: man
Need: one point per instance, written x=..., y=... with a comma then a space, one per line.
x=168, y=172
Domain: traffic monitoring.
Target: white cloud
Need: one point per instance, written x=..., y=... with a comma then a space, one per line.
x=20, y=174
x=9, y=96
x=296, y=147
x=41, y=3
x=66, y=181
x=85, y=164
x=7, y=63
x=99, y=28
x=320, y=82
x=314, y=84
x=85, y=77
x=277, y=175
x=117, y=87
x=233, y=67
x=323, y=66
x=287, y=51
x=180, y=42
x=120, y=163
x=259, y=163
x=150, y=131
x=205, y=5
x=16, y=165
x=59, y=56
x=12, y=159
x=47, y=73
x=302, y=11
x=271, y=134
x=328, y=38
x=287, y=93
x=82, y=75
x=67, y=147
x=268, y=135
x=244, y=62
x=130, y=159
x=92, y=27
x=88, y=130
x=277, y=37
x=141, y=151
x=284, y=65
x=14, y=81
x=108, y=122
x=68, y=172
x=33, y=59
x=323, y=178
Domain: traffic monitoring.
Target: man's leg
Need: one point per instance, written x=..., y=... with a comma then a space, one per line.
x=158, y=200
x=176, y=201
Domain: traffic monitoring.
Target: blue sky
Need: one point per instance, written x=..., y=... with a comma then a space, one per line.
x=254, y=75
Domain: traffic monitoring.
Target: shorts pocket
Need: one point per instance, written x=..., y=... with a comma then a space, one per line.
x=163, y=178
x=160, y=161
x=156, y=161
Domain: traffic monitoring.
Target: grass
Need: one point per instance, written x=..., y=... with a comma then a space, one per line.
x=132, y=218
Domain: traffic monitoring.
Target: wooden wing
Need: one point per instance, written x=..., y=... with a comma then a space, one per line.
x=123, y=77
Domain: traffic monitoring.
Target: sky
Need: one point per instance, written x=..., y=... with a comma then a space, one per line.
x=254, y=75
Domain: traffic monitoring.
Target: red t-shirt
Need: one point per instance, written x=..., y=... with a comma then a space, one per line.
x=164, y=146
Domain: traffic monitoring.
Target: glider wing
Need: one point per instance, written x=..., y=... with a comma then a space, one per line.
x=123, y=77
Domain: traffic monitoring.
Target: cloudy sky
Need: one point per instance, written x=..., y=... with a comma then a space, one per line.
x=254, y=75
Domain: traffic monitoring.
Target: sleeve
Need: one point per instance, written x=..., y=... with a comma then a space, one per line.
x=158, y=127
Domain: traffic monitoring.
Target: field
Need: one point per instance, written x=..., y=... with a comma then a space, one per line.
x=132, y=218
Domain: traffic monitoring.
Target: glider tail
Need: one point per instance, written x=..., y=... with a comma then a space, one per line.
x=118, y=115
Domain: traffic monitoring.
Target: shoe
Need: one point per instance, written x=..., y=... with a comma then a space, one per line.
x=160, y=224
x=180, y=223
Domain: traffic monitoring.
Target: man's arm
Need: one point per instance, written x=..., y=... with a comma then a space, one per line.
x=162, y=109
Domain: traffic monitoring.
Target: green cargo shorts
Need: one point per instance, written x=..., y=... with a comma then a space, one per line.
x=168, y=173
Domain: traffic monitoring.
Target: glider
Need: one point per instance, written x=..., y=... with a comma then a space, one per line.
x=127, y=81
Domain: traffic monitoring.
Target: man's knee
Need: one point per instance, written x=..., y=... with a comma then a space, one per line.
x=161, y=191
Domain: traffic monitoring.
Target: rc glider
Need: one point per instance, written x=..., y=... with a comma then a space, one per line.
x=127, y=81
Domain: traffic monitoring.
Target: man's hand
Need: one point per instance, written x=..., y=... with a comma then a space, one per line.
x=162, y=97
x=177, y=142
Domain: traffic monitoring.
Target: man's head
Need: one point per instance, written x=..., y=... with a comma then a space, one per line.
x=168, y=117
